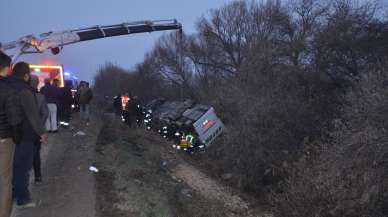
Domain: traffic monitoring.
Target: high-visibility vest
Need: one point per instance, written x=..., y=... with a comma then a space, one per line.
x=124, y=101
x=186, y=141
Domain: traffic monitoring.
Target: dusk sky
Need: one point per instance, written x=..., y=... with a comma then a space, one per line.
x=21, y=17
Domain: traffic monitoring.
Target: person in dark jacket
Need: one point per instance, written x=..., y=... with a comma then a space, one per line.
x=9, y=135
x=138, y=111
x=64, y=104
x=43, y=110
x=117, y=105
x=32, y=127
x=51, y=92
x=85, y=97
x=132, y=108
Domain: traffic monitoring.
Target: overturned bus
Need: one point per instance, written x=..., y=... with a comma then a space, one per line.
x=191, y=126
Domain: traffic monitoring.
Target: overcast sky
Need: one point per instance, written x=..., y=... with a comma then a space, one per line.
x=24, y=17
x=21, y=17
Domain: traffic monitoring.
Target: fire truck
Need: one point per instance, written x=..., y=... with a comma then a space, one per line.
x=48, y=72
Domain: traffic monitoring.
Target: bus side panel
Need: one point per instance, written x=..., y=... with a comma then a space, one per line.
x=208, y=127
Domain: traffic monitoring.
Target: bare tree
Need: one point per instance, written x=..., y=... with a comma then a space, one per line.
x=173, y=63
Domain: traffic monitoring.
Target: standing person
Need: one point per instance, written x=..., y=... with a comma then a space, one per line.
x=85, y=97
x=67, y=102
x=32, y=127
x=56, y=83
x=60, y=110
x=64, y=104
x=9, y=135
x=125, y=100
x=51, y=92
x=117, y=104
x=138, y=111
x=130, y=110
x=43, y=111
x=76, y=97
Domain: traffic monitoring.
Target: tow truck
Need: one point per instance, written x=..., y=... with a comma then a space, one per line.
x=55, y=41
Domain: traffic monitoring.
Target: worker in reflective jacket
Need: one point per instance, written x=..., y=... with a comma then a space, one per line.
x=186, y=143
x=124, y=109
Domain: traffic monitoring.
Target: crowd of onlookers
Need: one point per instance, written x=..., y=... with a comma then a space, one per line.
x=27, y=115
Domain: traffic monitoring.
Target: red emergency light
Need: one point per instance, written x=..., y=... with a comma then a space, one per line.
x=48, y=72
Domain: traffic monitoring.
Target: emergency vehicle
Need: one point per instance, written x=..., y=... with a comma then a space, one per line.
x=48, y=72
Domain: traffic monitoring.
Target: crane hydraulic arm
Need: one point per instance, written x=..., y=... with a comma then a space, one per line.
x=54, y=41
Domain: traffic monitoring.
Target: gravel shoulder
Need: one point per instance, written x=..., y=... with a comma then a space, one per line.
x=68, y=187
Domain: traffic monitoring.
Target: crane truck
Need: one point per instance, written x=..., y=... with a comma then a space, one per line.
x=55, y=41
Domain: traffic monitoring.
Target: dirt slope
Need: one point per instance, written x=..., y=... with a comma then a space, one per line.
x=140, y=175
x=144, y=176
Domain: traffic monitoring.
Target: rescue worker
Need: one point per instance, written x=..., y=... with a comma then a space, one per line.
x=138, y=111
x=9, y=135
x=32, y=127
x=134, y=112
x=131, y=111
x=117, y=104
x=43, y=110
x=125, y=114
x=51, y=92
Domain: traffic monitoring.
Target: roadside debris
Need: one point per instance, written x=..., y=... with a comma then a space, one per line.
x=79, y=133
x=93, y=169
x=226, y=176
x=186, y=192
